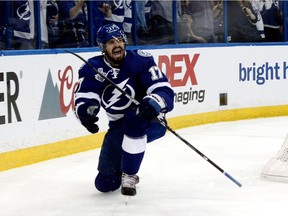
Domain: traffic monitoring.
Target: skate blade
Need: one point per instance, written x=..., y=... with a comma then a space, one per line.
x=127, y=199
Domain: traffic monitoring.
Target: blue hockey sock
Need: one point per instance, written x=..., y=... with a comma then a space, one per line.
x=131, y=162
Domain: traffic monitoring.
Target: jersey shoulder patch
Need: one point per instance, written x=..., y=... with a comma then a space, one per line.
x=143, y=53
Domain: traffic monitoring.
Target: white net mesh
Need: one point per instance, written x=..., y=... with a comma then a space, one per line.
x=282, y=154
x=277, y=167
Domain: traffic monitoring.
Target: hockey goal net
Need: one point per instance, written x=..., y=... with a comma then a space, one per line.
x=277, y=167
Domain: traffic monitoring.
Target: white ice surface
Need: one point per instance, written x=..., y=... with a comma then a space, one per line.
x=174, y=180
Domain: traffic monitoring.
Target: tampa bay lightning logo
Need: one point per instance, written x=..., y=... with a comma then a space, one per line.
x=113, y=99
x=24, y=12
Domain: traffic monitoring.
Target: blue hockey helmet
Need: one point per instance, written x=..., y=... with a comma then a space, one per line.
x=107, y=32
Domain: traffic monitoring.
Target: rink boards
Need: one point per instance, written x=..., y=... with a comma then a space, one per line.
x=211, y=84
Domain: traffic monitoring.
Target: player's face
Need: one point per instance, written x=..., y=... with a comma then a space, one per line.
x=115, y=50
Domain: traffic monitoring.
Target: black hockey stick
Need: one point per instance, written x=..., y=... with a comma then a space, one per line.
x=161, y=121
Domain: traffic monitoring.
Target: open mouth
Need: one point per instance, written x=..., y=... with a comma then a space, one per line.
x=118, y=51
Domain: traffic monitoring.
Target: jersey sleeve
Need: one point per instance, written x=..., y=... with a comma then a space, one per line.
x=88, y=87
x=155, y=81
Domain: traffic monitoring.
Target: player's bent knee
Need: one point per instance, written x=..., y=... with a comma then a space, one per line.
x=155, y=131
x=107, y=183
x=134, y=126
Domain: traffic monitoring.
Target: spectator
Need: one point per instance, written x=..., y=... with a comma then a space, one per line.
x=186, y=34
x=272, y=19
x=116, y=13
x=17, y=30
x=200, y=20
x=258, y=21
x=112, y=12
x=72, y=24
x=49, y=18
x=101, y=9
x=242, y=19
x=160, y=22
x=127, y=22
x=218, y=21
x=140, y=16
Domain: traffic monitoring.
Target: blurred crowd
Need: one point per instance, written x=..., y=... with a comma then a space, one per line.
x=29, y=24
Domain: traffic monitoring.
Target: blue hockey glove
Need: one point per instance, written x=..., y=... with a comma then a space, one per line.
x=87, y=112
x=150, y=106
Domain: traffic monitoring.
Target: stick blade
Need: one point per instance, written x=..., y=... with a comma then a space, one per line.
x=232, y=179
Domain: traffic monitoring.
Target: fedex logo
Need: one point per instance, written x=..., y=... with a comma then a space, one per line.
x=180, y=71
x=175, y=68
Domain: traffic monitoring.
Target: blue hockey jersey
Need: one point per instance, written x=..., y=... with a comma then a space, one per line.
x=18, y=17
x=138, y=75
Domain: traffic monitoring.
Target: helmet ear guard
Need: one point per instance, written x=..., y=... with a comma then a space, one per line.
x=107, y=32
x=101, y=46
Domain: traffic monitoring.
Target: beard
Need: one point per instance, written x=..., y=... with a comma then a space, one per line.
x=115, y=61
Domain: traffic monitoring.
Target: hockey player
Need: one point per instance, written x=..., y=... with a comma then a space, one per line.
x=131, y=126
